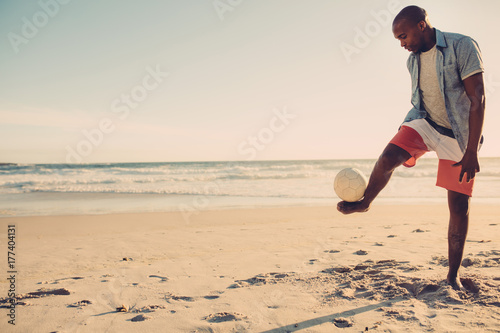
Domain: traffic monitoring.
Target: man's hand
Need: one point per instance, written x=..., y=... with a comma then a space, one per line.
x=469, y=164
x=474, y=87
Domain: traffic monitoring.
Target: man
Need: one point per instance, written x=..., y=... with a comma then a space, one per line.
x=447, y=117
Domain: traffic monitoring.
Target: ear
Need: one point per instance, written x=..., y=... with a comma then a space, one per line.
x=422, y=25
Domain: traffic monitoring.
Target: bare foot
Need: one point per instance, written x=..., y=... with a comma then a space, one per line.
x=455, y=283
x=352, y=207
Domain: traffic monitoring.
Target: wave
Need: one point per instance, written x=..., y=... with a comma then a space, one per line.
x=244, y=177
x=186, y=193
x=202, y=191
x=145, y=179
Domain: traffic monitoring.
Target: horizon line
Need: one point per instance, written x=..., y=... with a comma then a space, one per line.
x=215, y=161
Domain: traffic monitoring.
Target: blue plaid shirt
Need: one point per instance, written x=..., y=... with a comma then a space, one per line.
x=457, y=58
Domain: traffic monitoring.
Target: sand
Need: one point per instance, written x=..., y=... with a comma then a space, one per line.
x=306, y=269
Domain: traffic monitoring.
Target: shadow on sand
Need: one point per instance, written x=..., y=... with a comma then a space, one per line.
x=329, y=318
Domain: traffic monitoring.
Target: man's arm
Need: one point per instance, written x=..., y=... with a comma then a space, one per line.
x=474, y=88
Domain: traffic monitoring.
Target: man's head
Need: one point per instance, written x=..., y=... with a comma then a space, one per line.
x=412, y=28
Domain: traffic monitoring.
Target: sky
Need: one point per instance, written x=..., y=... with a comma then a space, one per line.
x=210, y=80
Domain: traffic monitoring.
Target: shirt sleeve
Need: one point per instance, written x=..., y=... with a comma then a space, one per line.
x=470, y=61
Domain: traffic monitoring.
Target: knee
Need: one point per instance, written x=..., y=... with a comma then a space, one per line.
x=459, y=205
x=392, y=157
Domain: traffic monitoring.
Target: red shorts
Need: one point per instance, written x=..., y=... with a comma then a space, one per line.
x=418, y=137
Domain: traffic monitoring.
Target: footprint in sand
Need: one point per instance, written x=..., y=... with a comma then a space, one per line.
x=140, y=317
x=311, y=261
x=62, y=279
x=162, y=278
x=80, y=304
x=489, y=253
x=221, y=317
x=169, y=297
x=261, y=279
x=34, y=294
x=401, y=315
x=148, y=308
x=470, y=285
x=342, y=322
x=341, y=269
x=211, y=297
x=439, y=260
x=182, y=298
x=430, y=288
x=420, y=230
x=44, y=292
x=466, y=262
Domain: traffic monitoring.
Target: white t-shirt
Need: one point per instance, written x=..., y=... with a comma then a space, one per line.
x=432, y=98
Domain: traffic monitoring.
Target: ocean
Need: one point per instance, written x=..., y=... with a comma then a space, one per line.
x=191, y=187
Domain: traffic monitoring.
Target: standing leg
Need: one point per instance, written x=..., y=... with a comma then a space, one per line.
x=392, y=157
x=458, y=204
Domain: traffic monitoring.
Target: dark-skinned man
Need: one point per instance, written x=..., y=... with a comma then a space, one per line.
x=447, y=117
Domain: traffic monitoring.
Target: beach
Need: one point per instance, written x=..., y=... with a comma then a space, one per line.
x=175, y=166
x=264, y=269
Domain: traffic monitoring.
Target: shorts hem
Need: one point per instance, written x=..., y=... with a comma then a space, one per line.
x=448, y=178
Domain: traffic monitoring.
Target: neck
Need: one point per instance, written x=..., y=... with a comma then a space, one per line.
x=429, y=39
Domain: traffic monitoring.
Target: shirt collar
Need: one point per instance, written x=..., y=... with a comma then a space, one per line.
x=440, y=40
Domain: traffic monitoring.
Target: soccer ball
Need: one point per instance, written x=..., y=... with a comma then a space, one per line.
x=350, y=184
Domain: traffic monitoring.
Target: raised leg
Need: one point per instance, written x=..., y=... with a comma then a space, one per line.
x=458, y=204
x=392, y=157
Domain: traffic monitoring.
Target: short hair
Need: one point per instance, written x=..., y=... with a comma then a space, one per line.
x=411, y=14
